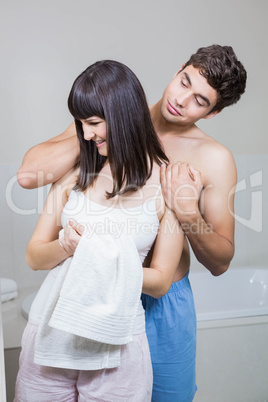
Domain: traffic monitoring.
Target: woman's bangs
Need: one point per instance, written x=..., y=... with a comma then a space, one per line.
x=84, y=103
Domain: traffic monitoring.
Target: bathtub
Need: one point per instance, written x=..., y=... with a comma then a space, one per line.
x=239, y=292
x=232, y=335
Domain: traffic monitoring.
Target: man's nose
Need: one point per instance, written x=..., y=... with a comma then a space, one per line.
x=183, y=98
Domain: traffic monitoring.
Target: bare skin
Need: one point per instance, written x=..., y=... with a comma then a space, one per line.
x=208, y=223
x=47, y=162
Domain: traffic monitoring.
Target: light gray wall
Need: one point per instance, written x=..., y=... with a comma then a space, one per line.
x=46, y=44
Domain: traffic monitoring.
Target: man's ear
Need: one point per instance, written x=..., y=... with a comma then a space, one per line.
x=177, y=72
x=210, y=115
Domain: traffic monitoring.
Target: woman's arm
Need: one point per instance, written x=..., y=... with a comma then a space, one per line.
x=44, y=250
x=47, y=162
x=166, y=256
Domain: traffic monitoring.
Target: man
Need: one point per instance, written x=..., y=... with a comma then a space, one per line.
x=198, y=185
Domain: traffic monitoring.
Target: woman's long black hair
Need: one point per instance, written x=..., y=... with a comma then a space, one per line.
x=110, y=90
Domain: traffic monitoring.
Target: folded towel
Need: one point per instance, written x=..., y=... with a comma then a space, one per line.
x=61, y=349
x=9, y=289
x=92, y=307
x=101, y=292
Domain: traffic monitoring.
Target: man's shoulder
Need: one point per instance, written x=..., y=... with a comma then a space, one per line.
x=213, y=159
x=214, y=148
x=197, y=148
x=218, y=165
x=210, y=146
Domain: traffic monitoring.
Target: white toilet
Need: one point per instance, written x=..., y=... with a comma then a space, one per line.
x=9, y=289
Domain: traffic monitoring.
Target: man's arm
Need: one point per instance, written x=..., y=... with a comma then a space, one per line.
x=47, y=162
x=209, y=223
x=44, y=250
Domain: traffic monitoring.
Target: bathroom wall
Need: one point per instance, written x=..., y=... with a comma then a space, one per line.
x=46, y=44
x=19, y=213
x=251, y=215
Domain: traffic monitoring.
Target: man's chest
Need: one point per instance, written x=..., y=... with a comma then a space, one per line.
x=190, y=151
x=183, y=151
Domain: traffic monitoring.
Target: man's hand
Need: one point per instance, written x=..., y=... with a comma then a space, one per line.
x=181, y=187
x=72, y=235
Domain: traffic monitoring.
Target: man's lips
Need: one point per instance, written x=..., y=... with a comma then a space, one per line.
x=173, y=110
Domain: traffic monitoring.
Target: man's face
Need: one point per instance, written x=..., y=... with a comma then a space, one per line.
x=188, y=98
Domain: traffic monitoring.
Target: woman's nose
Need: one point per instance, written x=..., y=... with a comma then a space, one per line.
x=88, y=134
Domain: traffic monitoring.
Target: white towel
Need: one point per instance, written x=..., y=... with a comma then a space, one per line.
x=56, y=348
x=101, y=292
x=93, y=305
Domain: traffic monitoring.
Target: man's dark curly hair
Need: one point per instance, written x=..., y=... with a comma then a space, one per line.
x=223, y=71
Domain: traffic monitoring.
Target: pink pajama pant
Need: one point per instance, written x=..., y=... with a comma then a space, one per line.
x=132, y=381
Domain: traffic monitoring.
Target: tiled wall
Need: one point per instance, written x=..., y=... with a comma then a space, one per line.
x=251, y=212
x=19, y=214
x=17, y=225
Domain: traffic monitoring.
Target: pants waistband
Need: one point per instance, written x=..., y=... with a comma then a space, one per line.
x=180, y=284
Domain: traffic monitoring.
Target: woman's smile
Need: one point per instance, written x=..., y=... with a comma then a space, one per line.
x=100, y=143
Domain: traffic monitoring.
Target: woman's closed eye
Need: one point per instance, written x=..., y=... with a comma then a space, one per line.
x=93, y=123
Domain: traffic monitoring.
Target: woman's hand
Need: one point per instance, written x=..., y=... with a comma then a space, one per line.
x=72, y=235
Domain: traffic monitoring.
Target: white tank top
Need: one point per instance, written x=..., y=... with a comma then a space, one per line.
x=140, y=222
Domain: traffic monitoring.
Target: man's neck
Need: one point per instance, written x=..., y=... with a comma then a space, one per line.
x=163, y=127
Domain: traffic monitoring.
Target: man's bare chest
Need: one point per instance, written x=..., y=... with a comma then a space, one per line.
x=191, y=152
x=182, y=151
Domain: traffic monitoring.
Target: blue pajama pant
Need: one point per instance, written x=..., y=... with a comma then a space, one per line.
x=171, y=331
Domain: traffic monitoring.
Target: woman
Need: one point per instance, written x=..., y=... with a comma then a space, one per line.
x=118, y=179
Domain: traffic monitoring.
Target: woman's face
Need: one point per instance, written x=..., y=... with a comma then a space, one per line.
x=94, y=129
